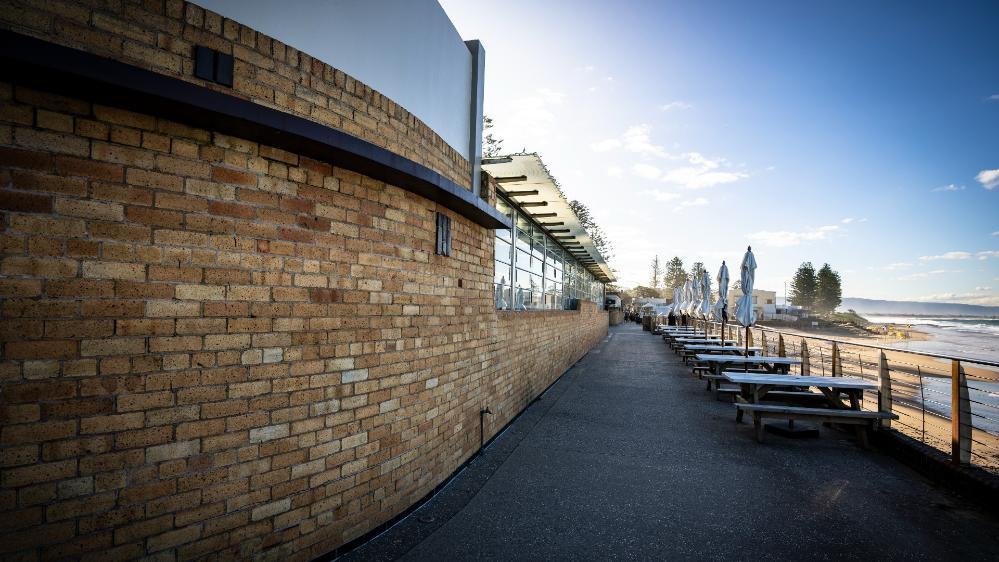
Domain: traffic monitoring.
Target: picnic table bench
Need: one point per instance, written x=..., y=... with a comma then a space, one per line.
x=688, y=351
x=756, y=387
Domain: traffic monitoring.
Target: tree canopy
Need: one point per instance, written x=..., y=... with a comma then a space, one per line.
x=828, y=290
x=803, y=286
x=674, y=276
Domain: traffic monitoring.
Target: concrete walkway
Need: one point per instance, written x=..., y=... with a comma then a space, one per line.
x=627, y=456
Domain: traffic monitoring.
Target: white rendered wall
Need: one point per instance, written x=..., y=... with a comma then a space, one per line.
x=406, y=49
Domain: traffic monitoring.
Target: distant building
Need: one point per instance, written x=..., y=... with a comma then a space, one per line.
x=764, y=302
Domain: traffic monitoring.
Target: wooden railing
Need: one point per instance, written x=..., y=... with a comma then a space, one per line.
x=911, y=384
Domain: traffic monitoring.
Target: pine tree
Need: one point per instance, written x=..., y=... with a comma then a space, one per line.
x=697, y=268
x=803, y=286
x=828, y=291
x=675, y=276
x=600, y=240
x=656, y=281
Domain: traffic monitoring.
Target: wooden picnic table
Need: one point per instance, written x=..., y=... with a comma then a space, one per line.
x=756, y=386
x=772, y=364
x=711, y=347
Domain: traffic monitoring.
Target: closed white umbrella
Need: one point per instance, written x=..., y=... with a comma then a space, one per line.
x=744, y=312
x=721, y=312
x=678, y=304
x=705, y=296
x=694, y=296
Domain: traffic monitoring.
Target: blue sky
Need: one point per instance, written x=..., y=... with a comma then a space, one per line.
x=863, y=134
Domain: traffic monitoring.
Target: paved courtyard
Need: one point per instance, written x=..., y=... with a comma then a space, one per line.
x=627, y=456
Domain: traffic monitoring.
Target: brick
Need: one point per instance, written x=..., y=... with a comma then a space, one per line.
x=37, y=432
x=173, y=538
x=144, y=401
x=90, y=209
x=34, y=474
x=48, y=141
x=157, y=180
x=49, y=183
x=227, y=175
x=176, y=450
x=49, y=349
x=25, y=202
x=248, y=293
x=112, y=346
x=170, y=309
x=271, y=509
x=114, y=270
x=269, y=433
x=112, y=423
x=29, y=159
x=38, y=267
x=87, y=168
x=200, y=292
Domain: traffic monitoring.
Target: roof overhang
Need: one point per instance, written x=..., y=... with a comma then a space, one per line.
x=526, y=182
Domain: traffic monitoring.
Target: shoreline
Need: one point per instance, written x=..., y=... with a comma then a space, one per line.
x=855, y=335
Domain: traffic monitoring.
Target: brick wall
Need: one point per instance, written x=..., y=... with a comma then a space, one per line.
x=214, y=348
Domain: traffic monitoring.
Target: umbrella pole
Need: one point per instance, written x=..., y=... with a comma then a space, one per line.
x=747, y=348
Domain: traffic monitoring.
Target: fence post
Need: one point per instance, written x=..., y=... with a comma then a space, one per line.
x=781, y=351
x=763, y=343
x=960, y=415
x=837, y=367
x=806, y=367
x=884, y=394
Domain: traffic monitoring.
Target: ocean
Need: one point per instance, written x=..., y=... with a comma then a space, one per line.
x=964, y=338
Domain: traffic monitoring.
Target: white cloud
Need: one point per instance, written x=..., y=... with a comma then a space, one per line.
x=847, y=220
x=605, y=145
x=948, y=256
x=949, y=187
x=533, y=116
x=922, y=275
x=635, y=139
x=699, y=173
x=661, y=196
x=675, y=105
x=698, y=202
x=588, y=68
x=702, y=172
x=615, y=171
x=785, y=238
x=996, y=233
x=983, y=288
x=646, y=171
x=551, y=96
x=963, y=298
x=988, y=178
x=988, y=254
x=994, y=97
x=898, y=265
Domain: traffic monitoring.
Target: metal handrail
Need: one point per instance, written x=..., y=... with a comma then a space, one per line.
x=879, y=348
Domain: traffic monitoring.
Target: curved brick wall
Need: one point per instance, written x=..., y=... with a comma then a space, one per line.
x=215, y=348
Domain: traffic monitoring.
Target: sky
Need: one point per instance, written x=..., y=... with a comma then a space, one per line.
x=860, y=134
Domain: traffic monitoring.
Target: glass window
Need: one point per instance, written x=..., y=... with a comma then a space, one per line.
x=523, y=233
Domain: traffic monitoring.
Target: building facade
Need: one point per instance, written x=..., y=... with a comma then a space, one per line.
x=228, y=326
